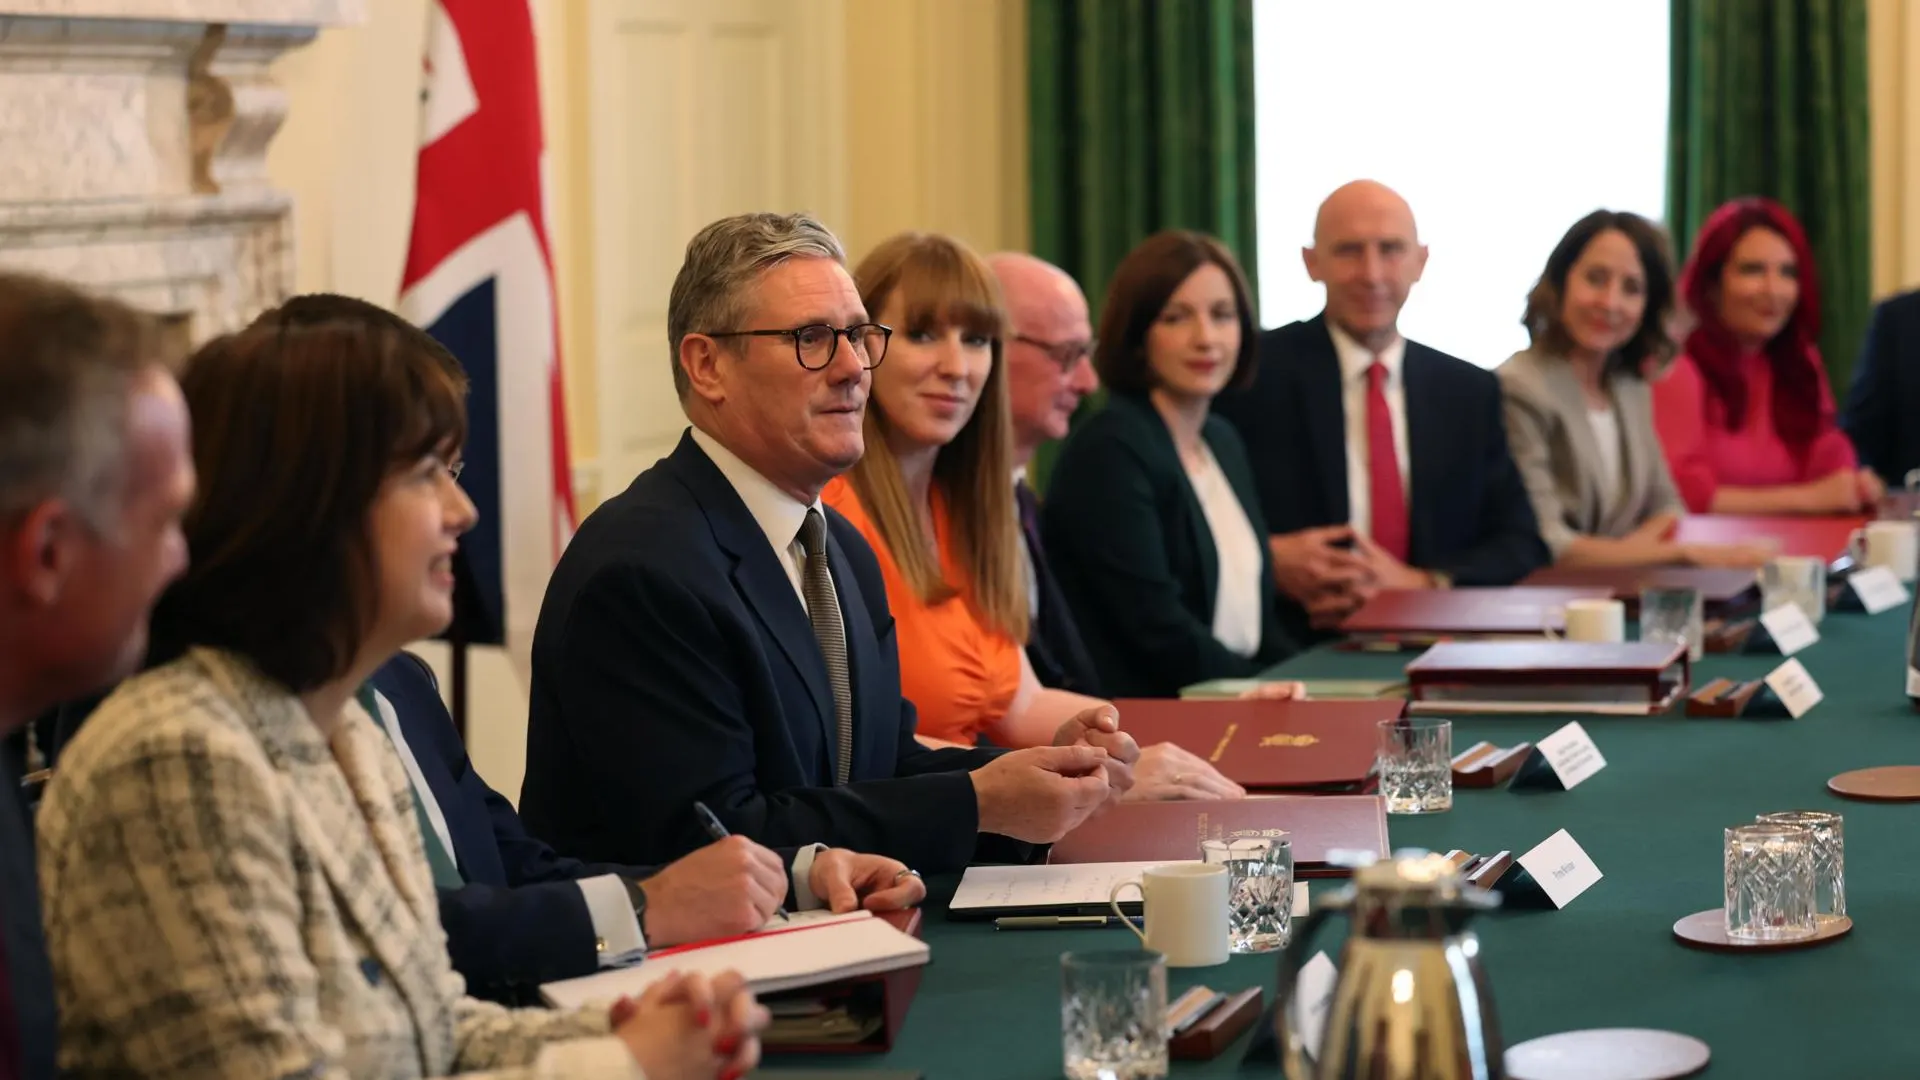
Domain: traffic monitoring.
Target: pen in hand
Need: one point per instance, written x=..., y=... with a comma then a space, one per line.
x=718, y=832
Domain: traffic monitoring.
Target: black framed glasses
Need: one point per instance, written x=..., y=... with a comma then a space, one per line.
x=1067, y=354
x=815, y=343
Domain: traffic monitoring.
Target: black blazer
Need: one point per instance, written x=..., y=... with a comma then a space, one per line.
x=1469, y=516
x=674, y=662
x=25, y=976
x=1054, y=646
x=519, y=920
x=1885, y=397
x=1136, y=560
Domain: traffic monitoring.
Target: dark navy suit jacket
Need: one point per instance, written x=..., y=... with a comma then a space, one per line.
x=24, y=971
x=674, y=662
x=1885, y=398
x=1469, y=516
x=520, y=920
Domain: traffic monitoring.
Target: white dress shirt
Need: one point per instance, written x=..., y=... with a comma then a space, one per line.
x=1354, y=362
x=1237, y=593
x=1606, y=438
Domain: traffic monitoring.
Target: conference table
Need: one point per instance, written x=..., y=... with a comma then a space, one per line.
x=1652, y=820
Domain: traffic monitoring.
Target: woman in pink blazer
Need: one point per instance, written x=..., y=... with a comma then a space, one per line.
x=1745, y=414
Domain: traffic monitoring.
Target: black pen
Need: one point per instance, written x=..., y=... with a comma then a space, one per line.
x=718, y=832
x=1058, y=922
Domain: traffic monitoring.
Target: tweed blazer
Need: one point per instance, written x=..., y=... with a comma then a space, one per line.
x=230, y=895
x=1559, y=461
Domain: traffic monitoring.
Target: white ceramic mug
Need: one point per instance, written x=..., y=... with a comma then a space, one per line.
x=1892, y=544
x=1592, y=620
x=1186, y=906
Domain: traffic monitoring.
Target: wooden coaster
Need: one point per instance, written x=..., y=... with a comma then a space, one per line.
x=1888, y=783
x=1708, y=930
x=1608, y=1054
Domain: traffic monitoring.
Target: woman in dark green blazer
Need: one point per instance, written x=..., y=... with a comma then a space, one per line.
x=1151, y=522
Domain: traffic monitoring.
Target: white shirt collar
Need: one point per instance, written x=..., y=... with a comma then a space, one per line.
x=1355, y=359
x=778, y=514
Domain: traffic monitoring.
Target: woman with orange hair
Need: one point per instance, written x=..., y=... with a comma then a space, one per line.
x=1745, y=414
x=933, y=494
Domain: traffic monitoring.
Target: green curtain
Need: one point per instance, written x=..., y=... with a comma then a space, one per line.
x=1769, y=97
x=1141, y=120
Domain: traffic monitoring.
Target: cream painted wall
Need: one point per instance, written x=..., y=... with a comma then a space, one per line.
x=935, y=87
x=1893, y=45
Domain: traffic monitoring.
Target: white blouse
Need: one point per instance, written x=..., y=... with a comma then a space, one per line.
x=1236, y=600
x=1606, y=436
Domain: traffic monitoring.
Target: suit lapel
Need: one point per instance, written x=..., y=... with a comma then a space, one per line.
x=1197, y=529
x=1426, y=448
x=1325, y=419
x=347, y=813
x=1571, y=401
x=758, y=576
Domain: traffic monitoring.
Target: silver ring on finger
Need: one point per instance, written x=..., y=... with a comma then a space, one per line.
x=905, y=873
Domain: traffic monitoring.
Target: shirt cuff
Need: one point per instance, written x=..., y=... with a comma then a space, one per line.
x=803, y=898
x=614, y=922
x=604, y=1058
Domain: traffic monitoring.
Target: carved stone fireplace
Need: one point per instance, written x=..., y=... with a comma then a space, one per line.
x=133, y=139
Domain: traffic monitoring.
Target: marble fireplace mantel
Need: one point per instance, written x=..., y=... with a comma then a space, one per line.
x=135, y=136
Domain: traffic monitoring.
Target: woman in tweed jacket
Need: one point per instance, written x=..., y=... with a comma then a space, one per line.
x=235, y=880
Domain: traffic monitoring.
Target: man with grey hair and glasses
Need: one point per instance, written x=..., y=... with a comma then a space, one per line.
x=95, y=471
x=714, y=638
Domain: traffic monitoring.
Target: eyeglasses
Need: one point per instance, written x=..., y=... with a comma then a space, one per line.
x=815, y=343
x=1067, y=354
x=455, y=468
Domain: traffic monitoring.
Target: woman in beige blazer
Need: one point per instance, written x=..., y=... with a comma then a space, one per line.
x=1579, y=413
x=230, y=852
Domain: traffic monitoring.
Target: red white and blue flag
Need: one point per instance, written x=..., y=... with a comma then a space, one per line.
x=479, y=278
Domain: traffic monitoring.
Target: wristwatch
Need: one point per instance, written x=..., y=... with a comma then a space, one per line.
x=638, y=895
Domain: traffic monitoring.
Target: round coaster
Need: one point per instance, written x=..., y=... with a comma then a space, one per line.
x=1608, y=1054
x=1708, y=930
x=1888, y=783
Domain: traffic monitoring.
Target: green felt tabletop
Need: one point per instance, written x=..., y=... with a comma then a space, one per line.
x=989, y=1005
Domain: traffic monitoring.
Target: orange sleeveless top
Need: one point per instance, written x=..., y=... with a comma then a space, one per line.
x=960, y=674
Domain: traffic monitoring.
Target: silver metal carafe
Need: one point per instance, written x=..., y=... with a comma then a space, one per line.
x=1412, y=1002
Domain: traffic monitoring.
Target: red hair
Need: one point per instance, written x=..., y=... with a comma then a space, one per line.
x=1798, y=404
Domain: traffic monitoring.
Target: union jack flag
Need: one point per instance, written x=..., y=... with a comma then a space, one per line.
x=479, y=278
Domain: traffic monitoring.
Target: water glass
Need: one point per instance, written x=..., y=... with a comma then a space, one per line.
x=1113, y=1015
x=1259, y=890
x=1769, y=883
x=1416, y=765
x=1829, y=856
x=1795, y=579
x=1674, y=615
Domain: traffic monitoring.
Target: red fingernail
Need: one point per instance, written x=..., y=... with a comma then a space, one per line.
x=727, y=1046
x=702, y=1018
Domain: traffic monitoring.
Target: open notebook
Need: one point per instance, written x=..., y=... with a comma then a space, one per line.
x=986, y=892
x=808, y=950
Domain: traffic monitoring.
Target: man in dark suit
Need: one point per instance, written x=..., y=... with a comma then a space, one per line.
x=1885, y=396
x=1049, y=371
x=1381, y=463
x=714, y=634
x=518, y=914
x=95, y=471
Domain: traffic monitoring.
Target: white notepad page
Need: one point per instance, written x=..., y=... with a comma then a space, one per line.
x=808, y=952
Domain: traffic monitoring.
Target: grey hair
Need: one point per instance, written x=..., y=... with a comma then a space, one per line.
x=68, y=363
x=710, y=294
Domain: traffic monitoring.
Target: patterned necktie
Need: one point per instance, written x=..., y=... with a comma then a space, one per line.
x=823, y=610
x=1384, y=490
x=446, y=873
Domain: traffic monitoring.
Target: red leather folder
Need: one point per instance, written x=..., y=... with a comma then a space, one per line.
x=1298, y=746
x=1152, y=831
x=1820, y=537
x=1723, y=592
x=1518, y=611
x=892, y=990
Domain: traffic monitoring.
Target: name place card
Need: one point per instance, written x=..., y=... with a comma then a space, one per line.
x=1794, y=687
x=1312, y=1000
x=1562, y=870
x=1560, y=761
x=1878, y=589
x=1790, y=628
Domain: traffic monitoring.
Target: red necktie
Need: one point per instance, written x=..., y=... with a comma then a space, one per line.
x=1383, y=467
